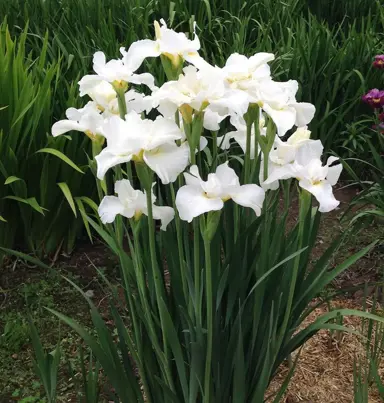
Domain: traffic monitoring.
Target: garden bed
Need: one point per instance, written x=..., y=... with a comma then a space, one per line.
x=325, y=368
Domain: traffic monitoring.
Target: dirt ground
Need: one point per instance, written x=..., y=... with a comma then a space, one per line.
x=325, y=368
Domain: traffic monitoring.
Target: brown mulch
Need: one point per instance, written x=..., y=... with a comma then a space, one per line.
x=324, y=371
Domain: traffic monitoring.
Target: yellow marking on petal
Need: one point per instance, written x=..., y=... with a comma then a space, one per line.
x=207, y=196
x=100, y=108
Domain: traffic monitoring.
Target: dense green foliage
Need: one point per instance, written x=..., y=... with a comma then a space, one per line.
x=31, y=201
x=326, y=45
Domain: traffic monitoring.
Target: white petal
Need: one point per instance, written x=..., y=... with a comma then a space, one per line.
x=259, y=59
x=234, y=101
x=167, y=108
x=323, y=193
x=227, y=176
x=284, y=119
x=166, y=130
x=224, y=141
x=99, y=62
x=212, y=120
x=165, y=214
x=192, y=178
x=168, y=161
x=309, y=151
x=301, y=135
x=304, y=113
x=285, y=172
x=145, y=78
x=191, y=202
x=203, y=143
x=139, y=51
x=64, y=126
x=334, y=172
x=273, y=185
x=195, y=59
x=88, y=83
x=241, y=139
x=283, y=154
x=109, y=208
x=236, y=60
x=137, y=102
x=127, y=136
x=124, y=189
x=74, y=114
x=249, y=196
x=332, y=159
x=262, y=72
x=106, y=160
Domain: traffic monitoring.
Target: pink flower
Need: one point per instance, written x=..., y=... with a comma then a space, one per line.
x=379, y=62
x=374, y=98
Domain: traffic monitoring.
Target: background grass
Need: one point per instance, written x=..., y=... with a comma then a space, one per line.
x=327, y=45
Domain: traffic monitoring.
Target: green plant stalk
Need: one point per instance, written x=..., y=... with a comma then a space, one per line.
x=196, y=256
x=133, y=316
x=247, y=160
x=214, y=150
x=256, y=128
x=196, y=270
x=265, y=164
x=121, y=102
x=147, y=311
x=179, y=244
x=96, y=148
x=209, y=302
x=159, y=288
x=305, y=204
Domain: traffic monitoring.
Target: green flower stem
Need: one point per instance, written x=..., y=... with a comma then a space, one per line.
x=257, y=130
x=159, y=286
x=256, y=147
x=196, y=256
x=265, y=164
x=209, y=302
x=305, y=205
x=132, y=313
x=96, y=148
x=196, y=265
x=121, y=102
x=247, y=160
x=251, y=118
x=286, y=192
x=180, y=244
x=214, y=150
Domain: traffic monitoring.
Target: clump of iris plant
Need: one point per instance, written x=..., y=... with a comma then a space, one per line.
x=375, y=97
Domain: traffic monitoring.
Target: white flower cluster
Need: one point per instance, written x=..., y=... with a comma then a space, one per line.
x=211, y=94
